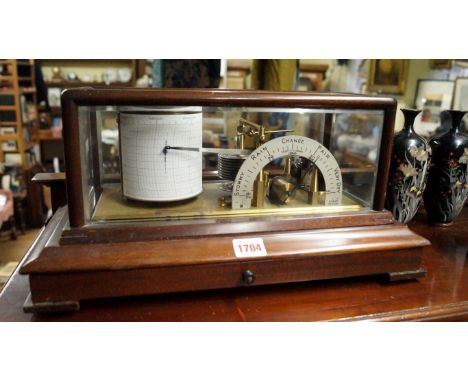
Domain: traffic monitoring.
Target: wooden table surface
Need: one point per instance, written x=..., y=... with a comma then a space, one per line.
x=441, y=295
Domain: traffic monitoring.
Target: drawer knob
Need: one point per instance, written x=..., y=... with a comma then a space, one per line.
x=248, y=277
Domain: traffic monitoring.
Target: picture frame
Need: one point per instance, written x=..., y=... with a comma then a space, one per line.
x=460, y=63
x=387, y=76
x=460, y=94
x=440, y=64
x=53, y=96
x=432, y=97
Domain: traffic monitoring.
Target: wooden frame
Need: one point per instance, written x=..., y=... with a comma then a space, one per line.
x=387, y=76
x=74, y=98
x=80, y=261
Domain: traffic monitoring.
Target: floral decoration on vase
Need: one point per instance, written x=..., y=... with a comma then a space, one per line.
x=447, y=189
x=409, y=167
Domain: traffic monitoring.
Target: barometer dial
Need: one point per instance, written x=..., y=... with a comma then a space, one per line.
x=242, y=192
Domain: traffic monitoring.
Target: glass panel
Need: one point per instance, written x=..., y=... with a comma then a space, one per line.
x=87, y=159
x=109, y=143
x=148, y=163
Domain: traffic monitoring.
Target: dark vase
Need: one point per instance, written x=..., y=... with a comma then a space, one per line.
x=409, y=167
x=447, y=187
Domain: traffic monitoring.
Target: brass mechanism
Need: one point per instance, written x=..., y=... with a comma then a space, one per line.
x=312, y=197
x=259, y=134
x=259, y=190
x=281, y=188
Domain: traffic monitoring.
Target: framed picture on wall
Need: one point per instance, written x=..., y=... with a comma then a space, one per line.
x=460, y=95
x=432, y=96
x=460, y=98
x=53, y=96
x=440, y=64
x=387, y=76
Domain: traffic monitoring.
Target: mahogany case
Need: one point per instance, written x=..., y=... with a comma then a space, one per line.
x=81, y=261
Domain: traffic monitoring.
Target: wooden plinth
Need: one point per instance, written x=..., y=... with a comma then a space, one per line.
x=63, y=275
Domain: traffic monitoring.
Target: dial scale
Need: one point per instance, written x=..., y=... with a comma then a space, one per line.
x=242, y=193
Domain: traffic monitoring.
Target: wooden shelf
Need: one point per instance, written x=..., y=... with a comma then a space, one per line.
x=7, y=108
x=8, y=137
x=315, y=68
x=22, y=91
x=85, y=61
x=24, y=63
x=83, y=66
x=28, y=124
x=18, y=62
x=47, y=135
x=8, y=123
x=74, y=84
x=19, y=83
x=28, y=146
x=31, y=90
x=91, y=69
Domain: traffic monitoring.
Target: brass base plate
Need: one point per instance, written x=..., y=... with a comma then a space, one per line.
x=112, y=206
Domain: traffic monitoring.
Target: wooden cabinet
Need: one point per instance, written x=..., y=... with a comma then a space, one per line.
x=311, y=77
x=64, y=74
x=18, y=112
x=75, y=73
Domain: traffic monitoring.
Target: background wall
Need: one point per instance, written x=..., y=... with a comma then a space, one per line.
x=352, y=77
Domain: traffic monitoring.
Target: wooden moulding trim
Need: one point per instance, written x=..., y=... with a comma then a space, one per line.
x=217, y=250
x=97, y=284
x=52, y=233
x=71, y=137
x=385, y=154
x=48, y=179
x=48, y=232
x=50, y=307
x=88, y=96
x=146, y=230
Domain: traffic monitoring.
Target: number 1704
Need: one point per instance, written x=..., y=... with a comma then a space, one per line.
x=249, y=247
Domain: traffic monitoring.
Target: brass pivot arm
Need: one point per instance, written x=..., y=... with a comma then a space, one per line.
x=255, y=130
